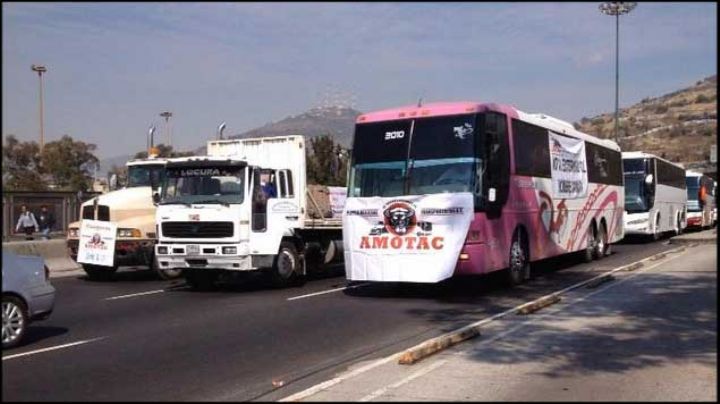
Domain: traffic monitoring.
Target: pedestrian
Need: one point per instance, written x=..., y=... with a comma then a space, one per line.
x=27, y=222
x=46, y=221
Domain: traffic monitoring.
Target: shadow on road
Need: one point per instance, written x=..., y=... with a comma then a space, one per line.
x=36, y=333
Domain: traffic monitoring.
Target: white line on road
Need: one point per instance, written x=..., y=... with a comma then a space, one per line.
x=327, y=291
x=379, y=392
x=53, y=348
x=151, y=292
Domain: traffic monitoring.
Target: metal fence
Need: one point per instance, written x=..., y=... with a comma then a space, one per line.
x=65, y=206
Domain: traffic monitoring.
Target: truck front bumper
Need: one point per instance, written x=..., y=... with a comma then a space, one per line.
x=210, y=256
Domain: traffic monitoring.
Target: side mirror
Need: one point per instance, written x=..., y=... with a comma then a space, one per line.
x=156, y=198
x=113, y=182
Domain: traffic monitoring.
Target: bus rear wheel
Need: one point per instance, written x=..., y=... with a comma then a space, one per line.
x=519, y=268
x=601, y=244
x=589, y=252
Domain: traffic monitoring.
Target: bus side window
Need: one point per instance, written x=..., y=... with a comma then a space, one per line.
x=497, y=174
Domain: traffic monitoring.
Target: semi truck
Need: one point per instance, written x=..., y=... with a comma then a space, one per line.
x=132, y=210
x=246, y=207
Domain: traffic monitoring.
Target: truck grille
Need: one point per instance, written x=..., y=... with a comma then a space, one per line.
x=103, y=212
x=197, y=229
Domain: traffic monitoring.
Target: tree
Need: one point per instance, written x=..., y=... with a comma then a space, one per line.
x=326, y=161
x=21, y=168
x=164, y=151
x=68, y=162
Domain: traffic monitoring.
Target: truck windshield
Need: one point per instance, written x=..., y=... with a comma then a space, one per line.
x=406, y=157
x=208, y=184
x=146, y=175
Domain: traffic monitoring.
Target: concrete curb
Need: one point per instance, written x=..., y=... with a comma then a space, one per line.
x=437, y=344
x=704, y=240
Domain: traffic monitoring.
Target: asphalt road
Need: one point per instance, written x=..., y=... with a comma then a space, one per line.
x=146, y=339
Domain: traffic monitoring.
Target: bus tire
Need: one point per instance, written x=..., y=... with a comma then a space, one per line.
x=201, y=279
x=603, y=249
x=589, y=252
x=99, y=272
x=678, y=224
x=519, y=266
x=287, y=267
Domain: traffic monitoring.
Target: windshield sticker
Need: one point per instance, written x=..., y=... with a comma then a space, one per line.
x=461, y=132
x=396, y=134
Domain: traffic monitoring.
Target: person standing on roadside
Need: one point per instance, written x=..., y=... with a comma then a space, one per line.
x=27, y=222
x=46, y=220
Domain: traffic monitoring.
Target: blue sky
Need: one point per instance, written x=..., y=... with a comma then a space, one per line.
x=113, y=67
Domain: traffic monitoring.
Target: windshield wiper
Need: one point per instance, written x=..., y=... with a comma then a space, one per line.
x=213, y=201
x=175, y=203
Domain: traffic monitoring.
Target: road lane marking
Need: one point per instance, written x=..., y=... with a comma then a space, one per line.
x=327, y=291
x=379, y=392
x=151, y=292
x=348, y=375
x=53, y=348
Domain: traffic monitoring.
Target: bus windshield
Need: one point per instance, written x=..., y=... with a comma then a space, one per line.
x=406, y=157
x=635, y=198
x=145, y=175
x=223, y=185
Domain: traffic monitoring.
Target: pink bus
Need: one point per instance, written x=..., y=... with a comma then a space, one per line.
x=465, y=188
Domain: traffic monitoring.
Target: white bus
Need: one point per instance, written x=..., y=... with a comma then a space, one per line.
x=700, y=199
x=655, y=195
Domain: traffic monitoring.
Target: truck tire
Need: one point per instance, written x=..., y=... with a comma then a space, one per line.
x=202, y=279
x=287, y=267
x=99, y=272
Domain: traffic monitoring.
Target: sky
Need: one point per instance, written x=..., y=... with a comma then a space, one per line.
x=113, y=67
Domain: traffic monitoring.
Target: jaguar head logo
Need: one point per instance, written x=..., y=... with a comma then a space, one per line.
x=399, y=218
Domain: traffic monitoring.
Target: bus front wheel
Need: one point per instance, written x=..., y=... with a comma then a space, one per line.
x=519, y=268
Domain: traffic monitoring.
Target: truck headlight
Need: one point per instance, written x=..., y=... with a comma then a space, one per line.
x=129, y=233
x=229, y=250
x=73, y=232
x=162, y=250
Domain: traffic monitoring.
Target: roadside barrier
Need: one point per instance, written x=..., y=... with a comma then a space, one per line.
x=53, y=251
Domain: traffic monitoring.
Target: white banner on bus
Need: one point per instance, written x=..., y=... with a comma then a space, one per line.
x=568, y=167
x=405, y=239
x=97, y=243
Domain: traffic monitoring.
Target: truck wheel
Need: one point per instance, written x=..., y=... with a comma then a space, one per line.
x=287, y=267
x=15, y=320
x=200, y=279
x=165, y=273
x=519, y=268
x=99, y=272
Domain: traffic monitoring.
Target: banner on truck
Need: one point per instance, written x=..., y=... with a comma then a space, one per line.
x=568, y=167
x=337, y=200
x=405, y=239
x=97, y=243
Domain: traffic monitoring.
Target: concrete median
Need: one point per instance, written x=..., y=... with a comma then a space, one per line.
x=53, y=251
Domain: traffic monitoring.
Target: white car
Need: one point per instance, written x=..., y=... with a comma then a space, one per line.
x=27, y=295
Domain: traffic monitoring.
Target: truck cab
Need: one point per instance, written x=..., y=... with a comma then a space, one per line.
x=243, y=208
x=132, y=209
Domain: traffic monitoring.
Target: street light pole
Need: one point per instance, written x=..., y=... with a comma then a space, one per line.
x=167, y=116
x=40, y=70
x=616, y=8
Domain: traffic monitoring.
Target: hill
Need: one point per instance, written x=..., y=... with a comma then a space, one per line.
x=681, y=125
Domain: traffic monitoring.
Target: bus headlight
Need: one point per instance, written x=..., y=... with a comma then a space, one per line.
x=129, y=233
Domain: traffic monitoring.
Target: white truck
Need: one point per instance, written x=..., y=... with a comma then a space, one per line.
x=218, y=215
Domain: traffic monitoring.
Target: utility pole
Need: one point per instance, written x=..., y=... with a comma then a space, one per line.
x=40, y=70
x=167, y=115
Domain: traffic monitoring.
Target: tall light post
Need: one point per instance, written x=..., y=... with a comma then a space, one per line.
x=167, y=116
x=40, y=70
x=616, y=8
